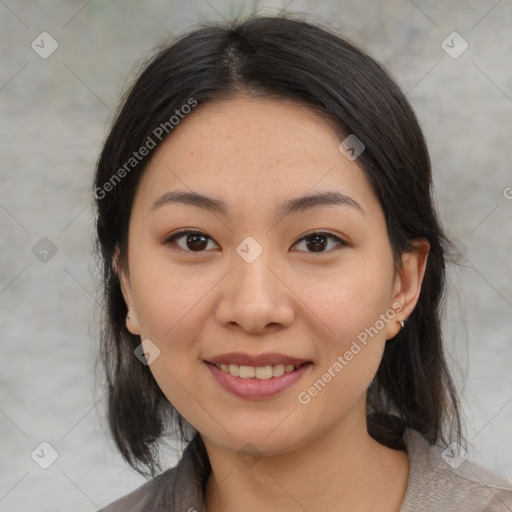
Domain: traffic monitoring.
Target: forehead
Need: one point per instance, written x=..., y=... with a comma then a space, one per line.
x=241, y=128
x=252, y=151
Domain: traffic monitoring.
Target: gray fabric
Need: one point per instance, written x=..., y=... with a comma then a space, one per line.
x=433, y=486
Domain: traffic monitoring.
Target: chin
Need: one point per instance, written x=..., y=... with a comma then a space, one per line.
x=260, y=438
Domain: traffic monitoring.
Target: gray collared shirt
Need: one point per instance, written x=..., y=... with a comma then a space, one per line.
x=437, y=483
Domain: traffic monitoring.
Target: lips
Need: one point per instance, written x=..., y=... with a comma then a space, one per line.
x=260, y=386
x=267, y=359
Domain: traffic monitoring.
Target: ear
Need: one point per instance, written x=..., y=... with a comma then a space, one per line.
x=126, y=290
x=407, y=287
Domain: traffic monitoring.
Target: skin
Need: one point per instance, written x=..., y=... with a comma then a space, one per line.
x=254, y=154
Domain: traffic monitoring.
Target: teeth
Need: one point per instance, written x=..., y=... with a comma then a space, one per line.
x=258, y=372
x=247, y=372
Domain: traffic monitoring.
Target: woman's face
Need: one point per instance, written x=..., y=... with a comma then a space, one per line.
x=251, y=287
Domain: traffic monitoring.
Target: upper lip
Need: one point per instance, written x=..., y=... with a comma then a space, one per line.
x=268, y=359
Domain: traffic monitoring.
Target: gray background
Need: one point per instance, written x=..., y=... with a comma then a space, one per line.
x=55, y=114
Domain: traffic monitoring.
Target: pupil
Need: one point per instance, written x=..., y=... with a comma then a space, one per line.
x=196, y=244
x=314, y=246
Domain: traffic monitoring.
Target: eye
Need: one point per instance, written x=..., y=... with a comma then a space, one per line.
x=194, y=241
x=319, y=240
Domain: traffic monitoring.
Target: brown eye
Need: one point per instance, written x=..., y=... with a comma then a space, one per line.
x=191, y=241
x=194, y=241
x=318, y=241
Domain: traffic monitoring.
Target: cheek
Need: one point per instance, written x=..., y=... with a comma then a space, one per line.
x=172, y=304
x=345, y=301
x=345, y=313
x=170, y=297
x=349, y=347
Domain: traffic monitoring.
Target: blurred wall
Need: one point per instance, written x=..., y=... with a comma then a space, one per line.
x=56, y=103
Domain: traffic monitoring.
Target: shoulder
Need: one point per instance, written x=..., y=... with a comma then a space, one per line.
x=442, y=479
x=144, y=497
x=178, y=488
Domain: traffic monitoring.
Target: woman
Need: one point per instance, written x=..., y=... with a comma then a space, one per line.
x=274, y=273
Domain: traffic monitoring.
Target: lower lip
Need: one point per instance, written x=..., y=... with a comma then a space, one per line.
x=257, y=388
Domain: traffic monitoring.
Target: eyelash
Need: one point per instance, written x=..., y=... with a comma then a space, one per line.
x=329, y=235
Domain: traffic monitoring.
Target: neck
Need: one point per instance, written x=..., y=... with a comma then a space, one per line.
x=342, y=470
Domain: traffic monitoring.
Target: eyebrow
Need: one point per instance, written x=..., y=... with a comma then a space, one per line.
x=292, y=206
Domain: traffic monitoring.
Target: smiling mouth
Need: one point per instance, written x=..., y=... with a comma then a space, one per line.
x=258, y=372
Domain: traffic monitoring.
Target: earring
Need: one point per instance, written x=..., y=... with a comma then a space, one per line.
x=130, y=317
x=401, y=323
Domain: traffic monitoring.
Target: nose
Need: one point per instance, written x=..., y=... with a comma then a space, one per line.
x=255, y=295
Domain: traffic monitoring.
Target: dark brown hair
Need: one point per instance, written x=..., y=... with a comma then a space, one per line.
x=286, y=58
